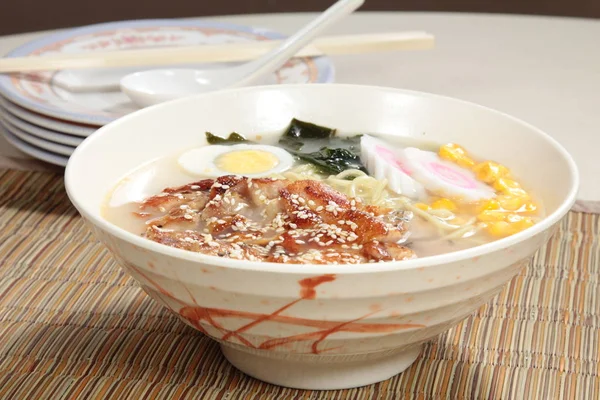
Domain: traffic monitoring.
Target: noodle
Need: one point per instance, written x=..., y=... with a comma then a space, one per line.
x=355, y=183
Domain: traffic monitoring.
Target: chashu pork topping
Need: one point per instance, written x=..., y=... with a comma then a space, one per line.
x=273, y=220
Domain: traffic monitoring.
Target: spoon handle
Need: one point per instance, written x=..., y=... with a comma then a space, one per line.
x=277, y=57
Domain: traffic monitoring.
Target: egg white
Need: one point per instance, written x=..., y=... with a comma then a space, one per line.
x=201, y=161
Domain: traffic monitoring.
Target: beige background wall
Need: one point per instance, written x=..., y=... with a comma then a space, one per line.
x=30, y=15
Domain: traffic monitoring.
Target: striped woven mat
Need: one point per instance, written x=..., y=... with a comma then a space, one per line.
x=74, y=326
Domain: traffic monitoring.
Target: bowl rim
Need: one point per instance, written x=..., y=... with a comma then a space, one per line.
x=308, y=269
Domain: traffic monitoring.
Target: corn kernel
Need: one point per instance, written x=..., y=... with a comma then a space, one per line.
x=523, y=224
x=491, y=215
x=489, y=171
x=455, y=153
x=423, y=206
x=505, y=184
x=510, y=187
x=513, y=218
x=519, y=222
x=500, y=228
x=511, y=203
x=445, y=204
x=529, y=207
x=491, y=204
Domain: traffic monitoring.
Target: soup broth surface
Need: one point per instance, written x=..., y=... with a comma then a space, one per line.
x=434, y=224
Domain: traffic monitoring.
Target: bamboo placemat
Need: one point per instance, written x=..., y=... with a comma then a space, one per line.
x=74, y=326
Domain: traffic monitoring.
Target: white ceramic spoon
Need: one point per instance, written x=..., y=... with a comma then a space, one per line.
x=150, y=87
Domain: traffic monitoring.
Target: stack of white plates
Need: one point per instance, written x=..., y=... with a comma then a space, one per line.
x=48, y=114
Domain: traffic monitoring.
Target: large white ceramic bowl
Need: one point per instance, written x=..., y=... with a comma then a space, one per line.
x=315, y=326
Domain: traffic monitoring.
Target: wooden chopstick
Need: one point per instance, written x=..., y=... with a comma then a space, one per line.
x=344, y=44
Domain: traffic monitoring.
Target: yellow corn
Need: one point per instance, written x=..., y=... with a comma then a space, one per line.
x=510, y=187
x=523, y=224
x=445, y=204
x=490, y=172
x=423, y=206
x=511, y=203
x=519, y=220
x=491, y=204
x=455, y=153
x=529, y=207
x=505, y=184
x=512, y=224
x=500, y=228
x=491, y=215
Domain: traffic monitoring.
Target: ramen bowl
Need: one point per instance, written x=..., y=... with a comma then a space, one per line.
x=320, y=326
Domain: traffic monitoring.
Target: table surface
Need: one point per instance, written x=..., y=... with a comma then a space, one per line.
x=544, y=70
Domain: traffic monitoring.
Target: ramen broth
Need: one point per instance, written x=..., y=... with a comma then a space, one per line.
x=426, y=238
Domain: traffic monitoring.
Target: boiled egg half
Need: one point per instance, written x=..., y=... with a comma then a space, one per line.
x=251, y=160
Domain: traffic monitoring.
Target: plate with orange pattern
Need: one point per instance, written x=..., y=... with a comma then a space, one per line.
x=41, y=92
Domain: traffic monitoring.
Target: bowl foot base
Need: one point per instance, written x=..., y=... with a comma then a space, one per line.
x=312, y=373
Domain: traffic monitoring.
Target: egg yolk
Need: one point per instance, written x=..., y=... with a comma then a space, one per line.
x=247, y=161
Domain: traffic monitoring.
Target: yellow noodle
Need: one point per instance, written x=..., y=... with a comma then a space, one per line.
x=355, y=183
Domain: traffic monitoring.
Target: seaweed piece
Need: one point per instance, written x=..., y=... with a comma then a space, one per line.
x=332, y=160
x=319, y=146
x=233, y=138
x=308, y=130
x=297, y=131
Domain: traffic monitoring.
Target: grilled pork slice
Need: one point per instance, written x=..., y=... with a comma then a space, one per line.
x=273, y=220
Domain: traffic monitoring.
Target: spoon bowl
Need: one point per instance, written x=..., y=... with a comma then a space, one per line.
x=155, y=86
x=146, y=88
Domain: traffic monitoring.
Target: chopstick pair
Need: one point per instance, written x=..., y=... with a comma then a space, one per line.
x=230, y=52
